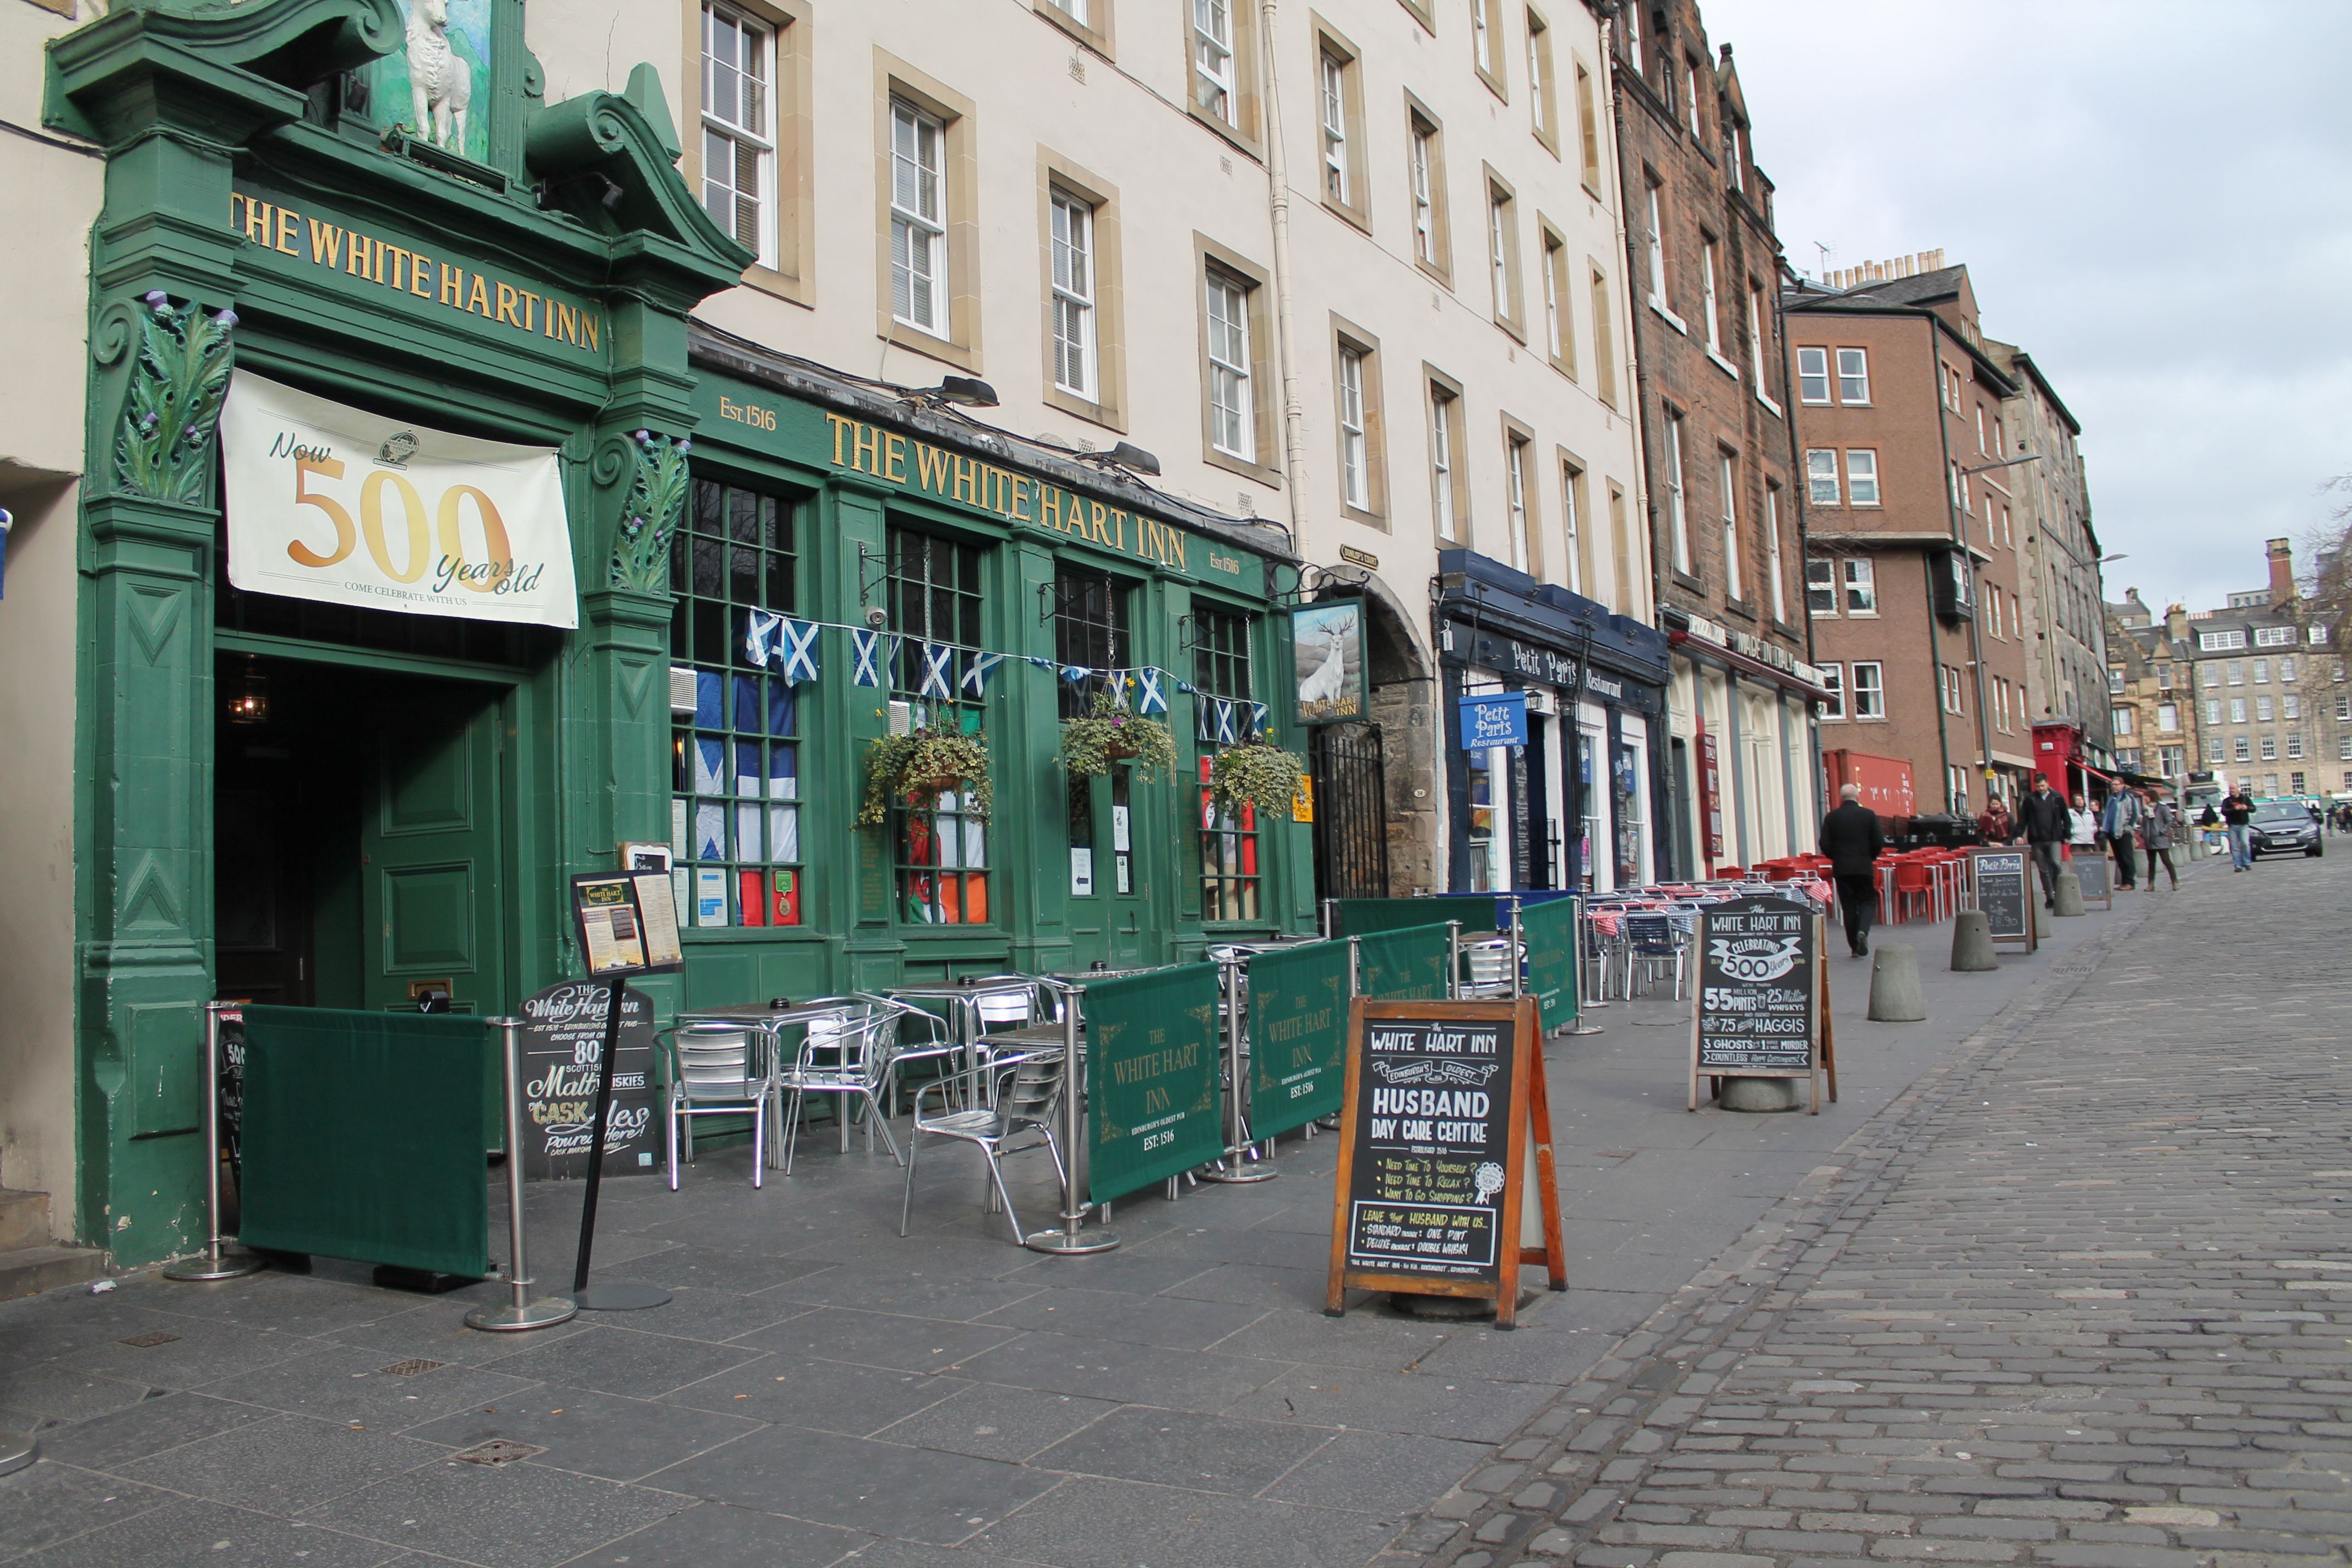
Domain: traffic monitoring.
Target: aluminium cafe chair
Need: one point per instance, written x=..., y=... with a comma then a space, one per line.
x=845, y=1053
x=715, y=1069
x=1654, y=942
x=1004, y=1099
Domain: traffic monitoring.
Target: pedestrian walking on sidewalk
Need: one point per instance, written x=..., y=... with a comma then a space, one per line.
x=2081, y=826
x=2236, y=812
x=1851, y=841
x=2046, y=824
x=1995, y=823
x=2121, y=822
x=2161, y=833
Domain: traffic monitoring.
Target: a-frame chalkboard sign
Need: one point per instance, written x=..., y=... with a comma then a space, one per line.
x=1445, y=1107
x=2004, y=892
x=1761, y=1006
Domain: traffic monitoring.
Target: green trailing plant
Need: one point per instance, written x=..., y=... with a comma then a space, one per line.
x=656, y=501
x=163, y=448
x=1264, y=776
x=1096, y=741
x=916, y=767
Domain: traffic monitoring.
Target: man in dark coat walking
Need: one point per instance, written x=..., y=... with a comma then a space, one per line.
x=2047, y=825
x=1851, y=840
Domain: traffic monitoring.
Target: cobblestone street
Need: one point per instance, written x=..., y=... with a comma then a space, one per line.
x=2079, y=1299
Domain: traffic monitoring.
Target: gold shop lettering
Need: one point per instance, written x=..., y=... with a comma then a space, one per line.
x=380, y=261
x=900, y=459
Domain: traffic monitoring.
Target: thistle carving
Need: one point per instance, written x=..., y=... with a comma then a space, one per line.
x=656, y=502
x=163, y=448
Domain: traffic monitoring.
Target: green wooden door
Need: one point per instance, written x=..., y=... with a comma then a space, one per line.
x=432, y=854
x=1129, y=891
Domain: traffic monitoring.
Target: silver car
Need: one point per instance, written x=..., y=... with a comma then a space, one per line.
x=2283, y=827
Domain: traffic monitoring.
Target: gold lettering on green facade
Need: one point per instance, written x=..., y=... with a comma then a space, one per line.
x=413, y=273
x=971, y=481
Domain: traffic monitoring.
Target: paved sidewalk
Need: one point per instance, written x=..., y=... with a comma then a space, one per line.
x=2081, y=1298
x=822, y=1392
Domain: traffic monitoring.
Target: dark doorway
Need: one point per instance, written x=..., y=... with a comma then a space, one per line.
x=359, y=838
x=1351, y=829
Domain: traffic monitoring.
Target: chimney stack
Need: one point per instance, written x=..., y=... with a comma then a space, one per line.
x=2176, y=623
x=2282, y=553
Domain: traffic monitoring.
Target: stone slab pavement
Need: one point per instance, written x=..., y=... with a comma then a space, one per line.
x=821, y=1391
x=2081, y=1295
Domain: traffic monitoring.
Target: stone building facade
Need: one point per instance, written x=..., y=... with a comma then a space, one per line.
x=2272, y=709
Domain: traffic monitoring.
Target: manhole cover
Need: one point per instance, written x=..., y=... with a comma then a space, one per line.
x=497, y=1451
x=148, y=1340
x=411, y=1367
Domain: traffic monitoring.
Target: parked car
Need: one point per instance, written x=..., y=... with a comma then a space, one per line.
x=2283, y=827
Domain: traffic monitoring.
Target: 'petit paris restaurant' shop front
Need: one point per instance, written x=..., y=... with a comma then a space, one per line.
x=428, y=558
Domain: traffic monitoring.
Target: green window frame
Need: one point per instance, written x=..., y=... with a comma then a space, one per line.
x=941, y=847
x=1230, y=864
x=735, y=828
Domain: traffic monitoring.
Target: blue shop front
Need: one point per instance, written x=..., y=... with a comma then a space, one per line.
x=1554, y=710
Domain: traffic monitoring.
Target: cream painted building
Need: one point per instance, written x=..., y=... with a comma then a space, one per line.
x=1395, y=328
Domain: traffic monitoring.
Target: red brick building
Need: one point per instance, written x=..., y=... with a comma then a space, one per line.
x=1914, y=528
x=1738, y=767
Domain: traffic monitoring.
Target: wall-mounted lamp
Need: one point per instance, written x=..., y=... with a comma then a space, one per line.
x=969, y=391
x=1128, y=455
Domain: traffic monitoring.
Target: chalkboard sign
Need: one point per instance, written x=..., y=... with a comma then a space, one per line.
x=231, y=1088
x=2005, y=894
x=1761, y=1008
x=2092, y=869
x=1442, y=1102
x=562, y=1036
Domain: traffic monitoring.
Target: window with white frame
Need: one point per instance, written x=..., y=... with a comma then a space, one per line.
x=1572, y=509
x=1559, y=336
x=1834, y=679
x=2262, y=713
x=2294, y=745
x=2261, y=672
x=1821, y=476
x=2241, y=750
x=1758, y=345
x=2237, y=668
x=2343, y=748
x=1862, y=476
x=1214, y=87
x=1588, y=128
x=1869, y=690
x=1812, y=375
x=2119, y=721
x=1690, y=88
x=1076, y=354
x=1422, y=176
x=2274, y=636
x=739, y=126
x=2315, y=636
x=1734, y=585
x=1338, y=182
x=1853, y=375
x=1444, y=415
x=2212, y=711
x=1707, y=250
x=2237, y=710
x=1861, y=587
x=1677, y=511
x=918, y=230
x=1501, y=260
x=1820, y=587
x=1232, y=421
x=2215, y=642
x=2286, y=668
x=1780, y=595
x=2344, y=709
x=1355, y=444
x=2270, y=748
x=1077, y=11
x=1482, y=36
x=1657, y=243
x=1514, y=483
x=2290, y=706
x=1539, y=94
x=1633, y=38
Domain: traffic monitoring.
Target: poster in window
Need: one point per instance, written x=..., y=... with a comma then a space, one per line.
x=1327, y=643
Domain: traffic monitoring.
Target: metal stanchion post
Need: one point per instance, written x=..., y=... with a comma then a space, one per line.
x=1330, y=918
x=1518, y=956
x=215, y=1262
x=1073, y=1237
x=1579, y=933
x=522, y=1311
x=1237, y=1151
x=1453, y=960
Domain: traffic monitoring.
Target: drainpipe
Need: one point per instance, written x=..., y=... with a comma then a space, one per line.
x=1293, y=424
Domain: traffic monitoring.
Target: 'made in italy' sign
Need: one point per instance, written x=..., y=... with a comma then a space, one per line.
x=333, y=503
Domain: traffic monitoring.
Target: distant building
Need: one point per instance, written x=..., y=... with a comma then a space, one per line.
x=2149, y=707
x=2273, y=710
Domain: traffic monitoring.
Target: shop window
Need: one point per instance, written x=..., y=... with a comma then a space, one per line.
x=1090, y=630
x=942, y=848
x=1228, y=845
x=735, y=814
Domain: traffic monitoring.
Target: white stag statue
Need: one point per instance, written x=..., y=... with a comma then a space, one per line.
x=440, y=84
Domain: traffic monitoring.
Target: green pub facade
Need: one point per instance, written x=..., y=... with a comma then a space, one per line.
x=299, y=796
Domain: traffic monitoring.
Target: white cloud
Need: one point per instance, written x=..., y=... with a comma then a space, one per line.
x=2154, y=198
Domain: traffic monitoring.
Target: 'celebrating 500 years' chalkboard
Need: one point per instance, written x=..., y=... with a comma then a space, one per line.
x=1761, y=1008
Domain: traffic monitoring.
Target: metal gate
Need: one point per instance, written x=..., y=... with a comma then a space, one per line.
x=1351, y=828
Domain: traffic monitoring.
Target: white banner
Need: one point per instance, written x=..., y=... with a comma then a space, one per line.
x=330, y=502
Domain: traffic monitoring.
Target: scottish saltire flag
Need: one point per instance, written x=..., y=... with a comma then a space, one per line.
x=1148, y=699
x=1257, y=721
x=938, y=669
x=796, y=648
x=1222, y=714
x=976, y=671
x=759, y=629
x=865, y=652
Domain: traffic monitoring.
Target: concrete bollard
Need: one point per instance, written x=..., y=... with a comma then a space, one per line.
x=1894, y=994
x=1759, y=1094
x=1972, y=949
x=2070, y=893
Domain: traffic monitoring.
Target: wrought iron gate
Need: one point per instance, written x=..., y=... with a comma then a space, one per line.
x=1351, y=828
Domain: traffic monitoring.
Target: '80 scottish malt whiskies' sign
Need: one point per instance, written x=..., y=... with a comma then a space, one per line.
x=333, y=503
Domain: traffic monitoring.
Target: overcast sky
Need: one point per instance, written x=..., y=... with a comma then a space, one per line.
x=2152, y=198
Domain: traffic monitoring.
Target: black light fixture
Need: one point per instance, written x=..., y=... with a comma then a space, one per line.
x=969, y=391
x=1128, y=455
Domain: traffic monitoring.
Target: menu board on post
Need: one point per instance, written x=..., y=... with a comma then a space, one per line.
x=2092, y=870
x=1443, y=1105
x=2005, y=894
x=562, y=1041
x=1761, y=1006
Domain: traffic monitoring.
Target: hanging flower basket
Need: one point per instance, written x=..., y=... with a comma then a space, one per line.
x=916, y=768
x=1258, y=775
x=1093, y=744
